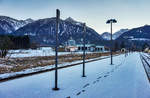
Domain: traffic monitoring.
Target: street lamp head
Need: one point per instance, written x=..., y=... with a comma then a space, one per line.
x=108, y=21
x=111, y=21
x=114, y=20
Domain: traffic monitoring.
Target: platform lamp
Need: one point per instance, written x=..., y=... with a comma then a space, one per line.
x=111, y=21
x=84, y=33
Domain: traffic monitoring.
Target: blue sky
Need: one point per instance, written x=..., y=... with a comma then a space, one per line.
x=128, y=13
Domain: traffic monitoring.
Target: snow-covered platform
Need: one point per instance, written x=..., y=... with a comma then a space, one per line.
x=125, y=79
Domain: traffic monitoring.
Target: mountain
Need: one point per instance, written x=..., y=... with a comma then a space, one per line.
x=9, y=25
x=120, y=32
x=29, y=20
x=107, y=35
x=137, y=36
x=43, y=31
x=71, y=20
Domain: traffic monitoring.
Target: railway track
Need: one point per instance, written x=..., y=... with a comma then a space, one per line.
x=148, y=57
x=146, y=64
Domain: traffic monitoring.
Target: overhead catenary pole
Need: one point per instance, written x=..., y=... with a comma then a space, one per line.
x=84, y=32
x=56, y=49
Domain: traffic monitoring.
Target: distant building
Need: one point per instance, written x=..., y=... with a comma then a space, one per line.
x=71, y=42
x=88, y=47
x=91, y=48
x=72, y=47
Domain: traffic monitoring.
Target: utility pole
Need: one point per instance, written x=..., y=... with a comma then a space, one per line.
x=84, y=32
x=56, y=49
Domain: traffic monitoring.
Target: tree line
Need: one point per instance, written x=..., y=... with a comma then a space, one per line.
x=8, y=42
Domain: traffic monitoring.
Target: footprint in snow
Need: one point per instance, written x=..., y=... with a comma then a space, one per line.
x=83, y=90
x=97, y=80
x=78, y=93
x=86, y=85
x=105, y=75
x=94, y=82
x=99, y=77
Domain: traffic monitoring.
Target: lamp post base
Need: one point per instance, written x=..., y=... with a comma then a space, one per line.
x=83, y=76
x=55, y=89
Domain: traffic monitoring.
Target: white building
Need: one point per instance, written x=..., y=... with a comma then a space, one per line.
x=72, y=46
x=91, y=48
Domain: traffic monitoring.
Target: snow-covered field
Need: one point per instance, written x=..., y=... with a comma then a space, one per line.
x=125, y=79
x=43, y=51
x=37, y=69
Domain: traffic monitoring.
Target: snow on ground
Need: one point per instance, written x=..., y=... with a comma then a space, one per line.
x=43, y=51
x=37, y=69
x=140, y=39
x=125, y=79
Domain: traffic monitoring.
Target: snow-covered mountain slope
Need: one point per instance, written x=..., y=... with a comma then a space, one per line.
x=9, y=25
x=120, y=32
x=71, y=20
x=29, y=20
x=107, y=35
x=136, y=37
x=137, y=34
x=43, y=31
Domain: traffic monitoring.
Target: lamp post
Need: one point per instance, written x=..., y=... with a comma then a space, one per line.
x=84, y=32
x=56, y=48
x=110, y=21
